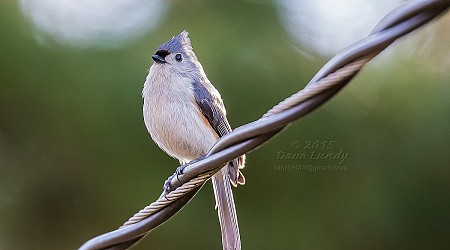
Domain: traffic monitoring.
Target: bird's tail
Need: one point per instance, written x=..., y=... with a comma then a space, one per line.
x=226, y=210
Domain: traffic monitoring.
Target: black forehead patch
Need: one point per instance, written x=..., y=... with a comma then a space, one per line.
x=162, y=53
x=173, y=45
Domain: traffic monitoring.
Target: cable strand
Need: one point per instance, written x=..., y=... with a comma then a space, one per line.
x=326, y=83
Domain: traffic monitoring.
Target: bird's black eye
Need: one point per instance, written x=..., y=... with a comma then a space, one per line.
x=178, y=57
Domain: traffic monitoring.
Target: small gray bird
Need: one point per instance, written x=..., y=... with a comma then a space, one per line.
x=185, y=116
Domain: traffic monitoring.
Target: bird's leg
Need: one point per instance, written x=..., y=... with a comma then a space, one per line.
x=179, y=171
x=167, y=187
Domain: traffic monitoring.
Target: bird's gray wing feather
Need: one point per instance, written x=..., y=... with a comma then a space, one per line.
x=212, y=108
x=211, y=105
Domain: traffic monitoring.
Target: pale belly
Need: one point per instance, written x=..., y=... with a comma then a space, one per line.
x=177, y=127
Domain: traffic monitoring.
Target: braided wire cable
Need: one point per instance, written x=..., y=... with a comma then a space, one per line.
x=325, y=84
x=306, y=93
x=321, y=86
x=164, y=200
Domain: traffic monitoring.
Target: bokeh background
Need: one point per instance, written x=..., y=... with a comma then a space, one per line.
x=76, y=160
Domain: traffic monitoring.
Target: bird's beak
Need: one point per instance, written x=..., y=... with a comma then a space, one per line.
x=158, y=59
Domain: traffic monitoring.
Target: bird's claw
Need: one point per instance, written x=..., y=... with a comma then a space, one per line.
x=179, y=171
x=167, y=184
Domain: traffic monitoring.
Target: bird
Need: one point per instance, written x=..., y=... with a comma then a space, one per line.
x=185, y=116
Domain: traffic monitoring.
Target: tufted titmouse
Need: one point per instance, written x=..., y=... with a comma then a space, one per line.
x=185, y=116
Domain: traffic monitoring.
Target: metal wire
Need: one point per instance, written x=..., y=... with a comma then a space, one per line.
x=325, y=84
x=165, y=200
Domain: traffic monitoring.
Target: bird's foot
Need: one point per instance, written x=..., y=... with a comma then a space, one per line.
x=179, y=171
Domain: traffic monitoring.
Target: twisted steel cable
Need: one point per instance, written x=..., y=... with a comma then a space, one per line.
x=326, y=83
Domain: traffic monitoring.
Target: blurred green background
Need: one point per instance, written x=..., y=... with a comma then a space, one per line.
x=76, y=160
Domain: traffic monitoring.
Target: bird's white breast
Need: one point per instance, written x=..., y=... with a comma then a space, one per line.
x=172, y=117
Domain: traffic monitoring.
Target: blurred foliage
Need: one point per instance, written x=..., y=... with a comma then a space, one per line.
x=76, y=160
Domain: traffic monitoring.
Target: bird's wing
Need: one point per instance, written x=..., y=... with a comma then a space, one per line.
x=211, y=107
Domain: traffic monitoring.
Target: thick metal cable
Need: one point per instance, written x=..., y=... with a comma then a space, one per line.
x=165, y=200
x=325, y=84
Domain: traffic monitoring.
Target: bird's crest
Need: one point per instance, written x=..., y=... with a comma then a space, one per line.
x=178, y=43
